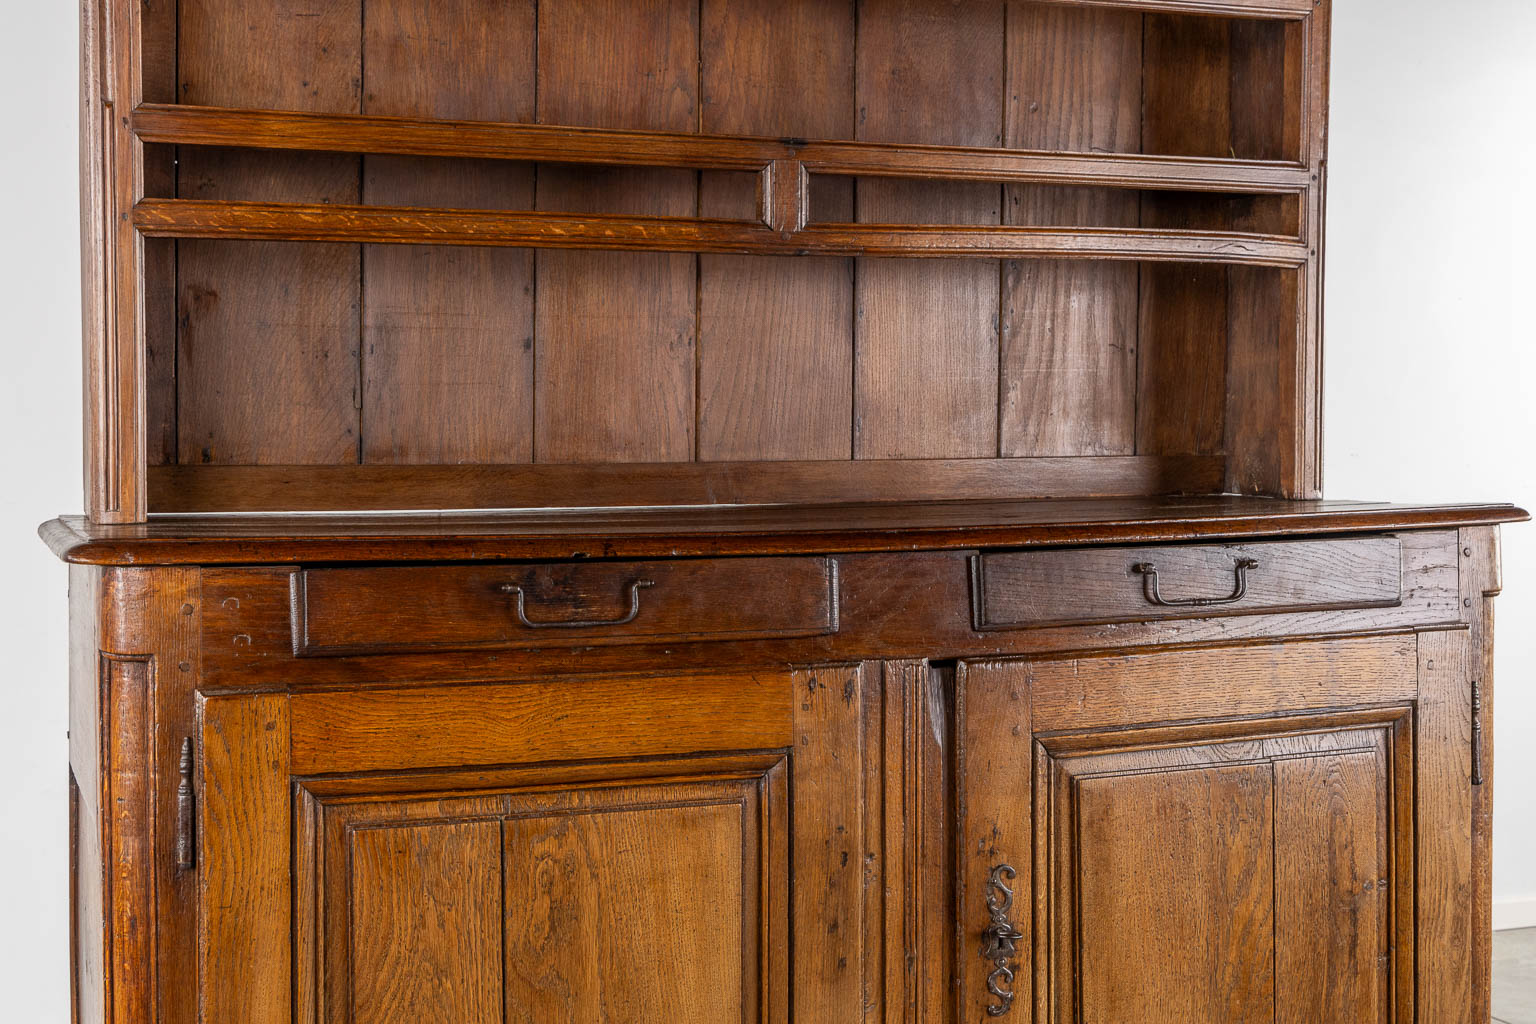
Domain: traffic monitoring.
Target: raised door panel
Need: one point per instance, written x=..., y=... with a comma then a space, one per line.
x=1257, y=868
x=624, y=892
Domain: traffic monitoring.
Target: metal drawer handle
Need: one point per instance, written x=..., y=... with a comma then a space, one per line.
x=623, y=620
x=1149, y=573
x=999, y=940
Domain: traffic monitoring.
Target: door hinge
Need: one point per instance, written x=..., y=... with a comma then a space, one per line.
x=1477, y=733
x=186, y=817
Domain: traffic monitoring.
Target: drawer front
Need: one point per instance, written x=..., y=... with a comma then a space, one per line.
x=1020, y=589
x=408, y=608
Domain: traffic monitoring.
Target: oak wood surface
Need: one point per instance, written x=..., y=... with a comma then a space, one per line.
x=381, y=610
x=447, y=334
x=1109, y=584
x=682, y=532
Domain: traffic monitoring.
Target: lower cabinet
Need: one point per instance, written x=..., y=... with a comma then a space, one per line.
x=1276, y=833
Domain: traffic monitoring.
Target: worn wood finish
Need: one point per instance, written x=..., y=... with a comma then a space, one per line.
x=613, y=378
x=1069, y=330
x=384, y=610
x=775, y=359
x=642, y=533
x=936, y=399
x=501, y=724
x=724, y=150
x=1035, y=588
x=447, y=334
x=922, y=324
x=267, y=347
x=365, y=488
x=244, y=887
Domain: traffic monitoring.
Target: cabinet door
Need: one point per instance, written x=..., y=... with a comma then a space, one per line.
x=1215, y=837
x=547, y=852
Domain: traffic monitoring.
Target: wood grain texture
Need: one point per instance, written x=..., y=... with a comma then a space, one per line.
x=1103, y=585
x=1094, y=693
x=775, y=360
x=925, y=375
x=835, y=773
x=245, y=898
x=1186, y=854
x=268, y=351
x=338, y=489
x=183, y=124
x=993, y=760
x=1069, y=330
x=1481, y=581
x=682, y=532
x=426, y=905
x=447, y=334
x=676, y=881
x=503, y=724
x=614, y=374
x=1447, y=969
x=1333, y=890
x=423, y=608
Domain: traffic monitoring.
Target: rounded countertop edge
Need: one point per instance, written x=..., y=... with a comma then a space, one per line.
x=267, y=540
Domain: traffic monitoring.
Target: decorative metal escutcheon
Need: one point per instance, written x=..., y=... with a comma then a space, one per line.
x=999, y=940
x=1148, y=570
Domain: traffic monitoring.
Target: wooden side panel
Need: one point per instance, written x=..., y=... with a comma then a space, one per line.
x=1332, y=880
x=447, y=349
x=615, y=332
x=775, y=356
x=1481, y=582
x=1069, y=328
x=925, y=380
x=426, y=905
x=267, y=363
x=1447, y=885
x=128, y=854
x=245, y=898
x=1175, y=897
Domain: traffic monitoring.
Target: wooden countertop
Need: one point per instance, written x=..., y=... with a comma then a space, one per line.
x=733, y=530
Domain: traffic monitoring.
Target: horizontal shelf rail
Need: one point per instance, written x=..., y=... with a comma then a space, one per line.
x=187, y=218
x=270, y=129
x=1292, y=10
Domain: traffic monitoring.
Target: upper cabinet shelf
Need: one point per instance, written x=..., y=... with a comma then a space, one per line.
x=404, y=136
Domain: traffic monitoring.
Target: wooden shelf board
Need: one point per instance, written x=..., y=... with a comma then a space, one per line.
x=270, y=129
x=675, y=532
x=185, y=218
x=200, y=488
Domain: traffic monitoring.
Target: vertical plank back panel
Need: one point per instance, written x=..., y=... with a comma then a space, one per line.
x=775, y=357
x=1182, y=359
x=615, y=332
x=1068, y=360
x=447, y=345
x=925, y=380
x=267, y=361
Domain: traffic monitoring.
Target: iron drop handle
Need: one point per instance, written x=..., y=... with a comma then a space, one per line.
x=1148, y=571
x=634, y=588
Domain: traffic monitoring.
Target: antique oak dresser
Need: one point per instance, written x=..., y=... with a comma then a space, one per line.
x=740, y=512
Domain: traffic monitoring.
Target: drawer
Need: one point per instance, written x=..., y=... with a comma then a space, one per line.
x=424, y=608
x=1019, y=589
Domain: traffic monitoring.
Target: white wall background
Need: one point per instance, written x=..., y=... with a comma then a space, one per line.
x=1430, y=337
x=1431, y=370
